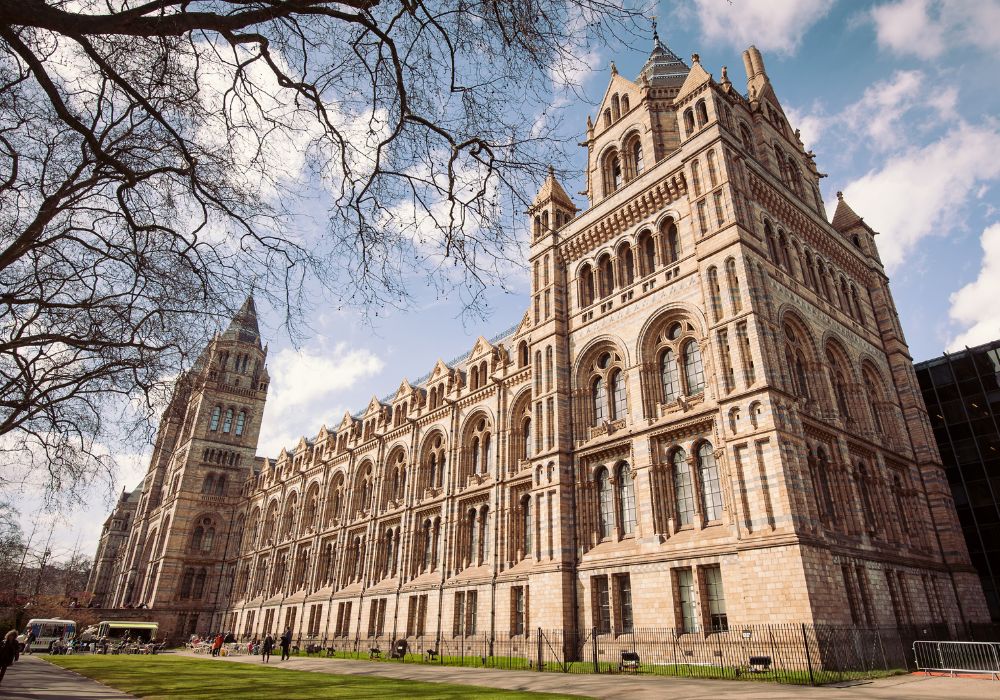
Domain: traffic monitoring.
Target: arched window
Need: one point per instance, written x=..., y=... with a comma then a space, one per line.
x=606, y=276
x=241, y=420
x=526, y=436
x=475, y=455
x=683, y=488
x=711, y=490
x=672, y=241
x=702, y=112
x=747, y=139
x=522, y=354
x=839, y=386
x=527, y=523
x=734, y=286
x=213, y=424
x=636, y=152
x=607, y=118
x=586, y=288
x=624, y=104
x=605, y=500
x=616, y=112
x=714, y=293
x=487, y=453
x=647, y=253
x=696, y=176
x=612, y=173
x=227, y=424
x=694, y=372
x=220, y=485
x=197, y=538
x=795, y=359
x=626, y=499
x=627, y=264
x=599, y=395
x=208, y=485
x=187, y=583
x=473, y=538
x=619, y=404
x=688, y=121
x=209, y=540
x=670, y=376
x=484, y=524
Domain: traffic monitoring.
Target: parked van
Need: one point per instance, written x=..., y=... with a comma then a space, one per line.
x=46, y=632
x=135, y=630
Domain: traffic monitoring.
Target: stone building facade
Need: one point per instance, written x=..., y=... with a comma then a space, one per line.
x=708, y=416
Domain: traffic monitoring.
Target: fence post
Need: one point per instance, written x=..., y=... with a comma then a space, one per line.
x=539, y=649
x=593, y=635
x=805, y=641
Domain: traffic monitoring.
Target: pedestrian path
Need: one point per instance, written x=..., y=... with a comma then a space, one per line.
x=644, y=687
x=32, y=678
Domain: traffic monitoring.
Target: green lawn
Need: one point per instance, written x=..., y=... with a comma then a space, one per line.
x=166, y=676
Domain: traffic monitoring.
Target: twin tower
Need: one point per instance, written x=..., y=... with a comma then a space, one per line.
x=707, y=417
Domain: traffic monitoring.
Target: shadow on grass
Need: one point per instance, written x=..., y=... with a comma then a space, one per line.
x=178, y=676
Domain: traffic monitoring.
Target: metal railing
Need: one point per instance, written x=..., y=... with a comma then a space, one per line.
x=958, y=657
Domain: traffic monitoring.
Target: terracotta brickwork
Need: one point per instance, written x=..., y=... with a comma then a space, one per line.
x=707, y=416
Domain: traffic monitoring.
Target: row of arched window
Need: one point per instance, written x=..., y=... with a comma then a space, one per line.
x=214, y=485
x=616, y=110
x=192, y=583
x=833, y=383
x=619, y=167
x=225, y=422
x=652, y=250
x=226, y=457
x=798, y=261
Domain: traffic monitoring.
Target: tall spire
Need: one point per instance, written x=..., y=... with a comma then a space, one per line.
x=244, y=326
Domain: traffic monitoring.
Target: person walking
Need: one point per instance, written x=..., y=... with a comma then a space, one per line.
x=29, y=640
x=217, y=645
x=8, y=652
x=265, y=649
x=286, y=642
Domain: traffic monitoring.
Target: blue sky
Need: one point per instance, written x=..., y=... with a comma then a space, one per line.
x=899, y=101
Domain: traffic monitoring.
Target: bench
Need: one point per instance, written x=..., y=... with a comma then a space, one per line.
x=630, y=661
x=330, y=651
x=374, y=653
x=399, y=649
x=431, y=654
x=760, y=664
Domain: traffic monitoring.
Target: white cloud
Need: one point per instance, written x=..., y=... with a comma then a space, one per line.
x=771, y=25
x=974, y=306
x=304, y=391
x=928, y=28
x=922, y=191
x=878, y=114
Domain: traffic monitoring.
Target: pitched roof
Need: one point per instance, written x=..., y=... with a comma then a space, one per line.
x=845, y=218
x=552, y=190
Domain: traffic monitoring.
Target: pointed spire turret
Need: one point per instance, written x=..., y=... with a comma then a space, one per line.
x=244, y=326
x=845, y=218
x=552, y=191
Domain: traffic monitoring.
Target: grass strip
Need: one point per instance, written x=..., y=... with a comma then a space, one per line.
x=166, y=676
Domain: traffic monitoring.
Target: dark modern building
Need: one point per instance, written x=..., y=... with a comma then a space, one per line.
x=962, y=392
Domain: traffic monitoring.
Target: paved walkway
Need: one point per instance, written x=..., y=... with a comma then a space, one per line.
x=32, y=678
x=636, y=688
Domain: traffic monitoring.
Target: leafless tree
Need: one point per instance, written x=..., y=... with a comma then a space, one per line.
x=159, y=159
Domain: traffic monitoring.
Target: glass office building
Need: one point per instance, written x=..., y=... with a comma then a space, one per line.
x=962, y=393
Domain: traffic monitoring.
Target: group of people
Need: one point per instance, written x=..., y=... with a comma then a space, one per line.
x=264, y=647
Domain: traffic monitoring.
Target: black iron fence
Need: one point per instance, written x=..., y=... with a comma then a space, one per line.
x=792, y=653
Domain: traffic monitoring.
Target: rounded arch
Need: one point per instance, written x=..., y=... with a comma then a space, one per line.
x=800, y=353
x=433, y=460
x=521, y=426
x=310, y=513
x=364, y=481
x=477, y=446
x=335, y=497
